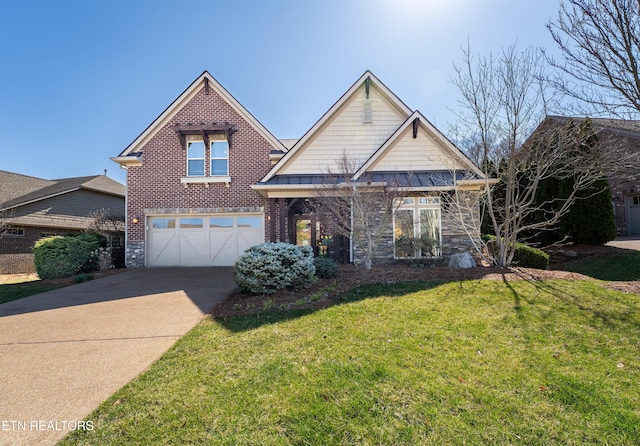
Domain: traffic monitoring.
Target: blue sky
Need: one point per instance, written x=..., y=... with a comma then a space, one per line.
x=80, y=79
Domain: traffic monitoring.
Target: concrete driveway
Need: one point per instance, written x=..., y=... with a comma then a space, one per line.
x=64, y=352
x=626, y=242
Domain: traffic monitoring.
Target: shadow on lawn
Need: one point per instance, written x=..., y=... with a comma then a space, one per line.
x=597, y=308
x=252, y=321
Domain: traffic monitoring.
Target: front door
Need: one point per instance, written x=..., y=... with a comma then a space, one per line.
x=306, y=231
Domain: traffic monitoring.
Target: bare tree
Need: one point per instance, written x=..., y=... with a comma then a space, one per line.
x=504, y=98
x=6, y=215
x=600, y=45
x=359, y=209
x=107, y=222
x=111, y=224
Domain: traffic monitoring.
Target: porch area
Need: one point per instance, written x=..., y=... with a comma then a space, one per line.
x=293, y=220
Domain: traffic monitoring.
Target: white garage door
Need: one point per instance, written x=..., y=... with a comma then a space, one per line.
x=201, y=240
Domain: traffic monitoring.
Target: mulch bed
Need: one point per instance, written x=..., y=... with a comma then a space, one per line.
x=324, y=292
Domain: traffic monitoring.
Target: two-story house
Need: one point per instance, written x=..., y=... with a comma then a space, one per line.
x=206, y=179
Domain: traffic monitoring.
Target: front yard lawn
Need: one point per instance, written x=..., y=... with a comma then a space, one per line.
x=468, y=362
x=19, y=286
x=620, y=267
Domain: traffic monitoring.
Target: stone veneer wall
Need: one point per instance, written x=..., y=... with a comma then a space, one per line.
x=454, y=240
x=135, y=254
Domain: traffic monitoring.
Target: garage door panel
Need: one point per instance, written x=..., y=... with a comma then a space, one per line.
x=202, y=240
x=193, y=248
x=164, y=248
x=223, y=247
x=247, y=239
x=250, y=232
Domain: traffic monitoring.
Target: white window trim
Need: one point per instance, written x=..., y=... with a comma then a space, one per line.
x=211, y=157
x=19, y=232
x=415, y=207
x=185, y=181
x=204, y=159
x=207, y=178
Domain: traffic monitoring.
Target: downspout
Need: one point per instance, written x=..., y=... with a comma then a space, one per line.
x=351, y=238
x=126, y=215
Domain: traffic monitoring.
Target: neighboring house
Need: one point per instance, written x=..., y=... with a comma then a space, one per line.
x=206, y=180
x=32, y=208
x=618, y=135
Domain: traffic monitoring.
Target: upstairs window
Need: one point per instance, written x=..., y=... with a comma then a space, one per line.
x=195, y=158
x=219, y=158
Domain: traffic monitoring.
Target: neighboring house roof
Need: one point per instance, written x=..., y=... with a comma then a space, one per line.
x=623, y=127
x=18, y=190
x=15, y=185
x=205, y=80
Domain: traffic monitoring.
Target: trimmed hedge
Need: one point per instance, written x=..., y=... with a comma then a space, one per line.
x=525, y=255
x=64, y=256
x=529, y=257
x=268, y=267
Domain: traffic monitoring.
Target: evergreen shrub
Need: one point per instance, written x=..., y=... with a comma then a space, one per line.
x=64, y=256
x=525, y=255
x=529, y=257
x=325, y=267
x=269, y=267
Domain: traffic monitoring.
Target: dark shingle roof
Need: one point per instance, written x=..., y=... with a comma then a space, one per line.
x=625, y=127
x=16, y=189
x=433, y=178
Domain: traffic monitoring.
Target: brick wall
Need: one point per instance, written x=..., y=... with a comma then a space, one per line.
x=16, y=255
x=156, y=184
x=23, y=244
x=17, y=264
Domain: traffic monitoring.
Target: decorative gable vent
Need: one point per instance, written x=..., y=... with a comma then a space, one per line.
x=368, y=114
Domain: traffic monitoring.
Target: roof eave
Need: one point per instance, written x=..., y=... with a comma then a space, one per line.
x=185, y=97
x=127, y=161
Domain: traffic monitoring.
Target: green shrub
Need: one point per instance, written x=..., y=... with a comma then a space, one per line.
x=325, y=267
x=525, y=256
x=65, y=256
x=529, y=257
x=82, y=277
x=268, y=267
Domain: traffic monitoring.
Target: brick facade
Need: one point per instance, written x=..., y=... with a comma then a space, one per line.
x=16, y=251
x=155, y=185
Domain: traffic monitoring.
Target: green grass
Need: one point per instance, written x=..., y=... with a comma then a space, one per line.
x=477, y=362
x=13, y=291
x=624, y=267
